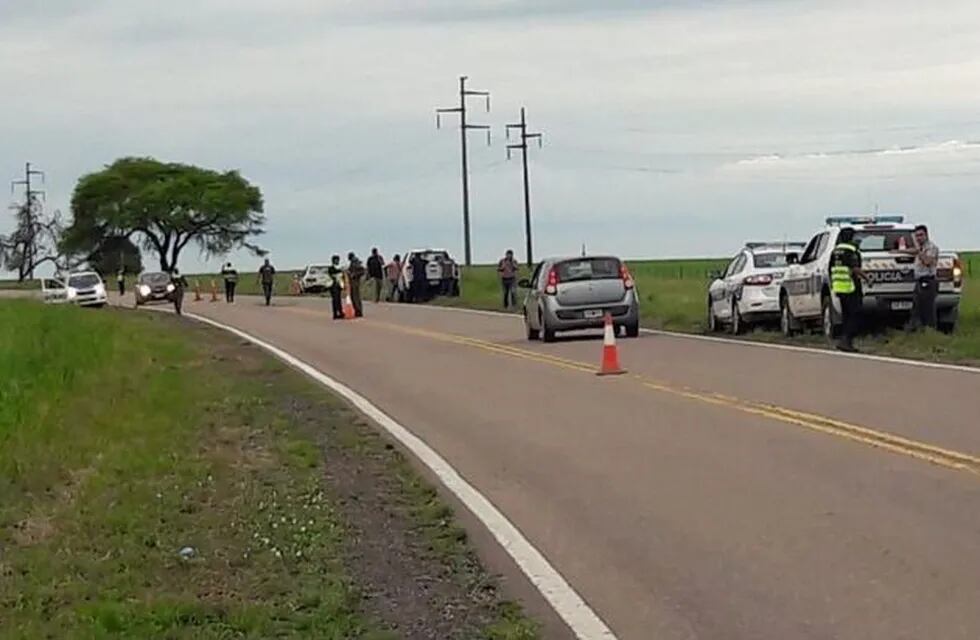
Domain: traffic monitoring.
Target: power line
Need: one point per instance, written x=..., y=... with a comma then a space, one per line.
x=524, y=137
x=464, y=126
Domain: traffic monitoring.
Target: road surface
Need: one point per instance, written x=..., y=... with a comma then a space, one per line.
x=717, y=491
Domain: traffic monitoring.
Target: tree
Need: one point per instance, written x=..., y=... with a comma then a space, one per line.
x=33, y=242
x=164, y=207
x=114, y=253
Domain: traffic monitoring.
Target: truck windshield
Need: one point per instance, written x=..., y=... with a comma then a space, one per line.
x=882, y=240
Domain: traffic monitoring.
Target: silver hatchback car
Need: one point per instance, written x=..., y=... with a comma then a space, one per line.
x=568, y=294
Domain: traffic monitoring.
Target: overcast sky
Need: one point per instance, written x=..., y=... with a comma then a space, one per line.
x=672, y=128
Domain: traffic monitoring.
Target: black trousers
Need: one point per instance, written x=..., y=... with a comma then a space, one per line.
x=850, y=306
x=230, y=290
x=122, y=287
x=336, y=302
x=924, y=303
x=267, y=291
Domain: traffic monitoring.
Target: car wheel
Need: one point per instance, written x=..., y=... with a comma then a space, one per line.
x=633, y=329
x=454, y=290
x=532, y=333
x=713, y=324
x=947, y=327
x=787, y=323
x=548, y=335
x=827, y=321
x=738, y=325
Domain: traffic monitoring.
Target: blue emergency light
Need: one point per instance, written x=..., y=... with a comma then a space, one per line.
x=837, y=221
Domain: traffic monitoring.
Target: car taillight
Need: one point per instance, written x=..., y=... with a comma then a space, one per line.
x=624, y=273
x=552, y=287
x=758, y=281
x=957, y=273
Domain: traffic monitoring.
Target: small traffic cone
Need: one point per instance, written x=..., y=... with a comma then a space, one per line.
x=348, y=304
x=197, y=290
x=214, y=291
x=610, y=353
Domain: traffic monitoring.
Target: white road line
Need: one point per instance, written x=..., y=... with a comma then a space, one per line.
x=580, y=618
x=747, y=343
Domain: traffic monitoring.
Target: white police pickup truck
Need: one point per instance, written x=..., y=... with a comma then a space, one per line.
x=805, y=296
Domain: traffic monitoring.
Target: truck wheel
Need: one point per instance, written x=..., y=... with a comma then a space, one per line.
x=947, y=327
x=454, y=290
x=787, y=323
x=828, y=324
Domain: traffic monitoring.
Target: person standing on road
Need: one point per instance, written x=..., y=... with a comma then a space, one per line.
x=230, y=276
x=419, y=280
x=335, y=273
x=376, y=273
x=508, y=269
x=926, y=287
x=121, y=281
x=180, y=284
x=355, y=273
x=267, y=276
x=845, y=281
x=393, y=272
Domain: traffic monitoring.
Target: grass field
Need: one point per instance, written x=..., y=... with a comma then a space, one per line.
x=158, y=481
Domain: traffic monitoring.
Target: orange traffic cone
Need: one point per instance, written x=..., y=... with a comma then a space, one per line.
x=610, y=353
x=214, y=290
x=348, y=305
x=197, y=290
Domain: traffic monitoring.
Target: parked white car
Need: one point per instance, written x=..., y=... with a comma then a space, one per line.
x=747, y=292
x=315, y=279
x=84, y=288
x=806, y=298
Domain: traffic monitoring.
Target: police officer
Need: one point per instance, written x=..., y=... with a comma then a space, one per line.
x=419, y=281
x=230, y=275
x=845, y=281
x=335, y=273
x=121, y=281
x=355, y=273
x=267, y=276
x=180, y=284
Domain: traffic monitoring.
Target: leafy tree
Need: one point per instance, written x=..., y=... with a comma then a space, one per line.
x=33, y=242
x=116, y=252
x=164, y=207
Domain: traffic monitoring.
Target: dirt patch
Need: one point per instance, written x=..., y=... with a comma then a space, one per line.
x=33, y=530
x=408, y=558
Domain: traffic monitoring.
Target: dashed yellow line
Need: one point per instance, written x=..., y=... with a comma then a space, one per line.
x=948, y=458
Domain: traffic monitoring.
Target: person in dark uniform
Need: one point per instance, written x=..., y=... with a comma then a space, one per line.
x=267, y=275
x=355, y=273
x=846, y=276
x=121, y=281
x=419, y=281
x=230, y=276
x=180, y=284
x=336, y=273
x=376, y=273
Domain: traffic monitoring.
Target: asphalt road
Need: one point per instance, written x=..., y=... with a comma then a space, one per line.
x=718, y=491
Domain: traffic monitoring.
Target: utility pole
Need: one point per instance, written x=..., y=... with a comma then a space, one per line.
x=29, y=195
x=525, y=136
x=464, y=127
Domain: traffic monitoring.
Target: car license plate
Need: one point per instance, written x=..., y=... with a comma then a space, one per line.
x=592, y=313
x=902, y=305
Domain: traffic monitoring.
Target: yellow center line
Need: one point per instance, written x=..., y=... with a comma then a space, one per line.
x=948, y=458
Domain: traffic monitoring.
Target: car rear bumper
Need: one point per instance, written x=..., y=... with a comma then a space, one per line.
x=574, y=318
x=759, y=302
x=897, y=304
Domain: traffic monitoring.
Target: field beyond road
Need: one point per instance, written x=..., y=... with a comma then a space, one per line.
x=159, y=479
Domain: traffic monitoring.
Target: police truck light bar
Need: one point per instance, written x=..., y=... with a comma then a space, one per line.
x=836, y=221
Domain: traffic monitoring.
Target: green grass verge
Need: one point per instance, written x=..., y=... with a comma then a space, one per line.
x=123, y=441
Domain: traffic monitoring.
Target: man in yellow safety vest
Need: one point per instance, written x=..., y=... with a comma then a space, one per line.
x=845, y=281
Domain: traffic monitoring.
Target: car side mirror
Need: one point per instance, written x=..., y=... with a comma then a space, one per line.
x=524, y=283
x=714, y=275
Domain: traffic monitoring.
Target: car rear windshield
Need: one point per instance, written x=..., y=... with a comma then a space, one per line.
x=881, y=240
x=154, y=278
x=771, y=260
x=588, y=269
x=84, y=281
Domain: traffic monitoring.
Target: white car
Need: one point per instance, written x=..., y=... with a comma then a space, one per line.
x=806, y=298
x=747, y=292
x=84, y=288
x=315, y=279
x=441, y=276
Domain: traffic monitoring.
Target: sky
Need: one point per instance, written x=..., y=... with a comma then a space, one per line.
x=671, y=128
